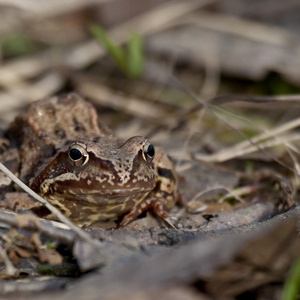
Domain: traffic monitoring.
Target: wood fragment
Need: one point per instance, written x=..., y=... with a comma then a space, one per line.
x=10, y=269
x=49, y=229
x=202, y=260
x=107, y=97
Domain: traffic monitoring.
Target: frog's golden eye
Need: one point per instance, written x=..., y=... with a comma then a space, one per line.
x=78, y=155
x=149, y=152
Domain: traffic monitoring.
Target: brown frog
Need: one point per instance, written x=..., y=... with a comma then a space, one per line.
x=77, y=164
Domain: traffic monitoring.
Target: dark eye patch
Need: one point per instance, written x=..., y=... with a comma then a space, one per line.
x=165, y=173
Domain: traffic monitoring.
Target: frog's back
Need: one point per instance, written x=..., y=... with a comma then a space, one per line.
x=46, y=125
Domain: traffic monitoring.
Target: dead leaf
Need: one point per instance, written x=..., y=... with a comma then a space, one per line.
x=46, y=255
x=264, y=259
x=18, y=201
x=24, y=220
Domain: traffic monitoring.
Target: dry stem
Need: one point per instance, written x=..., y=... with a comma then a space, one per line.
x=79, y=232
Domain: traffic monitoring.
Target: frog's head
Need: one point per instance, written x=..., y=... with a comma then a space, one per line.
x=99, y=169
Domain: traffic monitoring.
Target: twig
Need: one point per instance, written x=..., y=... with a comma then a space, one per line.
x=216, y=187
x=240, y=191
x=158, y=18
x=212, y=69
x=225, y=154
x=232, y=152
x=22, y=68
x=291, y=149
x=10, y=269
x=50, y=229
x=208, y=90
x=252, y=30
x=46, y=9
x=251, y=145
x=80, y=233
x=45, y=86
x=271, y=133
x=256, y=99
x=108, y=97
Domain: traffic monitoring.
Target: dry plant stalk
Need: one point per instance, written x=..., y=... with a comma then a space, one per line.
x=79, y=232
x=279, y=135
x=10, y=269
x=132, y=105
x=252, y=30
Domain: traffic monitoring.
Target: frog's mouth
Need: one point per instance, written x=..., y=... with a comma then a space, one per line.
x=94, y=192
x=85, y=211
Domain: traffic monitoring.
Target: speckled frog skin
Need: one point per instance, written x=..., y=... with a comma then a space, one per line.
x=78, y=165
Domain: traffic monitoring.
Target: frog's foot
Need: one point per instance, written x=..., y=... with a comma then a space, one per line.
x=153, y=204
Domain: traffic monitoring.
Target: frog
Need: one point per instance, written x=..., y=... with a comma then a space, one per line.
x=79, y=166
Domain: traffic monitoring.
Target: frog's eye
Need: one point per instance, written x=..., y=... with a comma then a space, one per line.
x=149, y=152
x=78, y=155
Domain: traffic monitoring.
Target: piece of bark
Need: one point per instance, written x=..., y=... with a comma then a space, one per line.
x=200, y=261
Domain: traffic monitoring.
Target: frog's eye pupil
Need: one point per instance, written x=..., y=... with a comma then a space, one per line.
x=150, y=151
x=78, y=155
x=75, y=154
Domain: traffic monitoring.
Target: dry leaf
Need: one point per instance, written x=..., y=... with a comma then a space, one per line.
x=45, y=254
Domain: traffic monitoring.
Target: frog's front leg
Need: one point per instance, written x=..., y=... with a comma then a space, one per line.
x=153, y=204
x=165, y=193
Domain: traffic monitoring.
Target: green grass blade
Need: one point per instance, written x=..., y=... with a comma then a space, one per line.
x=292, y=286
x=16, y=44
x=135, y=56
x=114, y=50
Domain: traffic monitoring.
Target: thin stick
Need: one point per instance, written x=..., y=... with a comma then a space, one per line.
x=212, y=188
x=10, y=269
x=80, y=233
x=271, y=133
x=231, y=152
x=254, y=99
x=245, y=28
x=49, y=229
